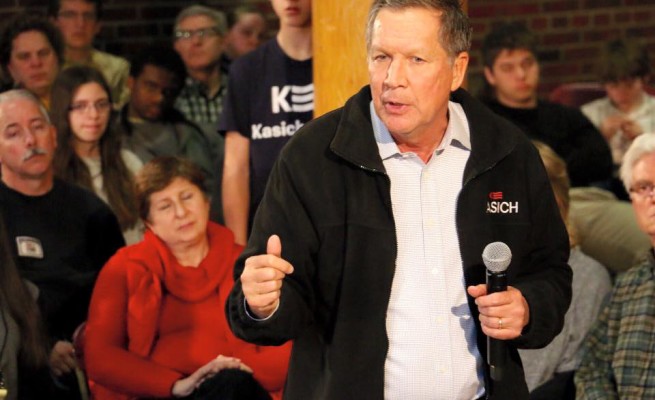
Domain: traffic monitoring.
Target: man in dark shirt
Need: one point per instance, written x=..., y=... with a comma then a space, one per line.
x=61, y=234
x=511, y=70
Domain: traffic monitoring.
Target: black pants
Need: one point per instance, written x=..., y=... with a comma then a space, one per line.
x=230, y=384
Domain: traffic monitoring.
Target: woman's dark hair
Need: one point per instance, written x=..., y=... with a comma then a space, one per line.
x=22, y=23
x=236, y=13
x=159, y=172
x=117, y=179
x=21, y=305
x=622, y=60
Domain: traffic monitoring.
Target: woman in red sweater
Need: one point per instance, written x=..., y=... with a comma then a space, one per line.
x=156, y=325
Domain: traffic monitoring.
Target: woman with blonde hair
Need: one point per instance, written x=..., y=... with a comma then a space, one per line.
x=549, y=371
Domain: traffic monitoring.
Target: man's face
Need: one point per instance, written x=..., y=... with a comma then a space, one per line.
x=153, y=92
x=33, y=62
x=625, y=94
x=78, y=23
x=514, y=76
x=27, y=141
x=293, y=13
x=199, y=52
x=643, y=174
x=411, y=74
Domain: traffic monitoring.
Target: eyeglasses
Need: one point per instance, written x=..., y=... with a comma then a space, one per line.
x=101, y=106
x=70, y=15
x=186, y=34
x=643, y=190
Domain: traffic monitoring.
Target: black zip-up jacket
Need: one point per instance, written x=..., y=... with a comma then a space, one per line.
x=328, y=198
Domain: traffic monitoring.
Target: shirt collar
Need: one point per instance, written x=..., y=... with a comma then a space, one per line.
x=457, y=132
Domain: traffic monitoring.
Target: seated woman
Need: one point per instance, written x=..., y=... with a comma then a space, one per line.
x=549, y=371
x=89, y=145
x=23, y=352
x=156, y=325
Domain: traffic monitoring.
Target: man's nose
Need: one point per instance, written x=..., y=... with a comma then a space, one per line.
x=396, y=74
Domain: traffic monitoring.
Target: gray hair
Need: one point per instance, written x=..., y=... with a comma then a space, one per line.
x=455, y=33
x=642, y=146
x=220, y=21
x=16, y=94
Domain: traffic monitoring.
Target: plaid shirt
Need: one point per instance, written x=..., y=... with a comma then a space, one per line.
x=196, y=106
x=619, y=353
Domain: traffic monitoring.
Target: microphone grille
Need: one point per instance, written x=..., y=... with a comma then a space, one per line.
x=497, y=256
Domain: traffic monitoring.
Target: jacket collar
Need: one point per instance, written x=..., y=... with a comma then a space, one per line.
x=354, y=139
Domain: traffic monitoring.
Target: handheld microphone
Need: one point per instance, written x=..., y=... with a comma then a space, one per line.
x=496, y=257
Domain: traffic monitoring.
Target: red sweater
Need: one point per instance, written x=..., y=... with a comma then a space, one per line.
x=152, y=321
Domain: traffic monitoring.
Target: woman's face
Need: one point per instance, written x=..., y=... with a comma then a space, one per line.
x=179, y=214
x=89, y=114
x=246, y=34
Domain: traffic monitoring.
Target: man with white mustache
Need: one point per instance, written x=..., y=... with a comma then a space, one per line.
x=61, y=234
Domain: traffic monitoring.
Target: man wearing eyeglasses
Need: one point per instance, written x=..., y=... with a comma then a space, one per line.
x=198, y=38
x=618, y=352
x=79, y=23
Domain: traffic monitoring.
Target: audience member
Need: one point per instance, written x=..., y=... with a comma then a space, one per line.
x=61, y=234
x=367, y=244
x=156, y=322
x=246, y=30
x=628, y=110
x=31, y=53
x=270, y=96
x=511, y=70
x=618, y=359
x=549, y=371
x=79, y=23
x=608, y=228
x=199, y=38
x=89, y=145
x=23, y=357
x=152, y=126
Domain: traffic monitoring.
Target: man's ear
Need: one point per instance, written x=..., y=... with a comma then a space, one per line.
x=459, y=70
x=130, y=83
x=489, y=76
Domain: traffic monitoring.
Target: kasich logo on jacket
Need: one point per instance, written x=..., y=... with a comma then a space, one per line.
x=496, y=204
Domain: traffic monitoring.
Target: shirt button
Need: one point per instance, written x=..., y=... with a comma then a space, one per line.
x=435, y=271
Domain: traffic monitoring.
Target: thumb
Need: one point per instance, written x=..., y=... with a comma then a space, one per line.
x=274, y=246
x=477, y=290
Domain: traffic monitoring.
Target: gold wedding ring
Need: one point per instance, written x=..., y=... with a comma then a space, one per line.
x=500, y=323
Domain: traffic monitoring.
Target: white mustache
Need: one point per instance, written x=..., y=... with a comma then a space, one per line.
x=36, y=151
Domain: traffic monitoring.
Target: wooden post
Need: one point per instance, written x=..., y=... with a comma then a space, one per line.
x=339, y=51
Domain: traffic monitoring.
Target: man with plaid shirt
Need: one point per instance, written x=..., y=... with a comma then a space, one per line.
x=619, y=351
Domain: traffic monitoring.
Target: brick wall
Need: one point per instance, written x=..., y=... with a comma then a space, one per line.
x=128, y=25
x=571, y=33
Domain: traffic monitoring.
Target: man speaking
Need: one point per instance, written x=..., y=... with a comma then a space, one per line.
x=367, y=247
